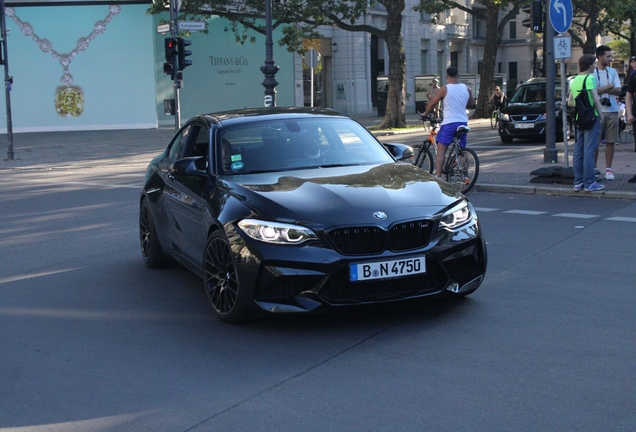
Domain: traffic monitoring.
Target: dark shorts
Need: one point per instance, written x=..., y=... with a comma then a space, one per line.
x=447, y=133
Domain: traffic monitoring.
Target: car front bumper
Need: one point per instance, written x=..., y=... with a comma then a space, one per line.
x=280, y=279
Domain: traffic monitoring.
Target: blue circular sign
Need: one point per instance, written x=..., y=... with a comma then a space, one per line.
x=561, y=15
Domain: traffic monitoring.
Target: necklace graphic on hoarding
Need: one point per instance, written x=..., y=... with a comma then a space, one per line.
x=69, y=99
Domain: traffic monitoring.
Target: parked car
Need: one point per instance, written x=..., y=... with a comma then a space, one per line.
x=525, y=114
x=297, y=209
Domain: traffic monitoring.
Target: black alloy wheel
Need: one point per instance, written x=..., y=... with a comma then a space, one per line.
x=221, y=280
x=151, y=250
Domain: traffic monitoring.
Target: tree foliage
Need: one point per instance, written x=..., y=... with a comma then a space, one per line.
x=496, y=14
x=300, y=19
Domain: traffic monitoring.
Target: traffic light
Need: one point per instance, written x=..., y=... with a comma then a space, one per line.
x=535, y=22
x=171, y=54
x=171, y=49
x=183, y=53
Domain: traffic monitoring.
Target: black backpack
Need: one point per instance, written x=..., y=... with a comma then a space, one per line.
x=585, y=114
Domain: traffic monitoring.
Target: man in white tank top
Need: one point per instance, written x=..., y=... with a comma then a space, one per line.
x=457, y=97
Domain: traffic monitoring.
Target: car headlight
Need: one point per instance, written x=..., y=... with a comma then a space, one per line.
x=457, y=216
x=275, y=232
x=505, y=117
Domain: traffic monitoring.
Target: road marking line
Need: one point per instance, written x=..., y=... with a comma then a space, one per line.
x=526, y=212
x=576, y=215
x=621, y=219
x=485, y=209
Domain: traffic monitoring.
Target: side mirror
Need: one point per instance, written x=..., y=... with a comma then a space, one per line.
x=401, y=152
x=190, y=166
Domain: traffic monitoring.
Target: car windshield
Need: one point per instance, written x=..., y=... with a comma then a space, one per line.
x=280, y=145
x=533, y=93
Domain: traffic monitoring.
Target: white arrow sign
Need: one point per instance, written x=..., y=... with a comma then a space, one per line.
x=560, y=6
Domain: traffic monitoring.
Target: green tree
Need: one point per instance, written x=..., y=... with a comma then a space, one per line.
x=621, y=23
x=588, y=22
x=300, y=19
x=490, y=11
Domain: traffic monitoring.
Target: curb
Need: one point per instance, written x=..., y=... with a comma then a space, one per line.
x=542, y=190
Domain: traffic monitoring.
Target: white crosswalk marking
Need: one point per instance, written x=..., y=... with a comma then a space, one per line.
x=563, y=215
x=576, y=215
x=485, y=209
x=525, y=212
x=621, y=219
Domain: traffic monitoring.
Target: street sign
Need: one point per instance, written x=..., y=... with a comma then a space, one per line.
x=562, y=47
x=191, y=25
x=561, y=15
x=163, y=28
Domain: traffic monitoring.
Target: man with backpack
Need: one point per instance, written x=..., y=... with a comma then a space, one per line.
x=584, y=97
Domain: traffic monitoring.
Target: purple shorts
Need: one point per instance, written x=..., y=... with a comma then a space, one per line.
x=446, y=134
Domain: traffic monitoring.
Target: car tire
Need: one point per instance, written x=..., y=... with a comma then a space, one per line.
x=151, y=249
x=221, y=282
x=505, y=139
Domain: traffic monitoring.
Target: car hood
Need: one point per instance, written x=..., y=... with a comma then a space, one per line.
x=344, y=194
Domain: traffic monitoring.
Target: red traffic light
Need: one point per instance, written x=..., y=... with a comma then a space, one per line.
x=171, y=49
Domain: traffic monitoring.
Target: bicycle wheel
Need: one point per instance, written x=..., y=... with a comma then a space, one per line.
x=463, y=169
x=494, y=119
x=424, y=159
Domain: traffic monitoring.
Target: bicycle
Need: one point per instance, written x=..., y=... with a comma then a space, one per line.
x=494, y=118
x=461, y=165
x=424, y=158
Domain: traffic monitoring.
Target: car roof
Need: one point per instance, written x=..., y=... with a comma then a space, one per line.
x=268, y=113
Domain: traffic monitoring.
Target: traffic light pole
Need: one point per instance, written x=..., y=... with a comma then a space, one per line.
x=7, y=83
x=174, y=13
x=550, y=152
x=269, y=69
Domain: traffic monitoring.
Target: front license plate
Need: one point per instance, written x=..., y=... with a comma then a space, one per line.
x=524, y=125
x=387, y=269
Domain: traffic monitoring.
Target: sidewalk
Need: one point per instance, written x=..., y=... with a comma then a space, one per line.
x=89, y=149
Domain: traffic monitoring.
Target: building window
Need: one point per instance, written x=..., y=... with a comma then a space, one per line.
x=423, y=61
x=453, y=59
x=480, y=66
x=513, y=29
x=512, y=70
x=479, y=28
x=499, y=66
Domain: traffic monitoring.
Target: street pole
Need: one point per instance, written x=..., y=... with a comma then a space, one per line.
x=8, y=81
x=564, y=114
x=550, y=152
x=270, y=69
x=174, y=13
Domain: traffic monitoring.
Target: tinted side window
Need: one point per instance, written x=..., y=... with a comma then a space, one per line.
x=200, y=142
x=176, y=148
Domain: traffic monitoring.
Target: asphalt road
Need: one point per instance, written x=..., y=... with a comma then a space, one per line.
x=92, y=340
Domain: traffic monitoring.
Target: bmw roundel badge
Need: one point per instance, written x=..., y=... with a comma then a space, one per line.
x=380, y=215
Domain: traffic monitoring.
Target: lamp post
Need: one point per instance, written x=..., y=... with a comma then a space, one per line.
x=269, y=69
x=8, y=81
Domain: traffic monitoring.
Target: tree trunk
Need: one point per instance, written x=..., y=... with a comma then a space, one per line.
x=490, y=60
x=395, y=115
